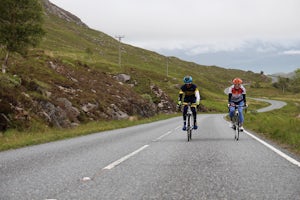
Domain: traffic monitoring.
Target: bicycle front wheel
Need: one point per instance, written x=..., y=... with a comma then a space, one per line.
x=237, y=130
x=189, y=129
x=189, y=134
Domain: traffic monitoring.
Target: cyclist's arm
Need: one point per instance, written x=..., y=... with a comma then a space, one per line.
x=229, y=97
x=197, y=94
x=180, y=98
x=180, y=95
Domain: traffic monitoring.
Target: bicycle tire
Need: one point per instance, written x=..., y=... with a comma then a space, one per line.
x=189, y=129
x=238, y=125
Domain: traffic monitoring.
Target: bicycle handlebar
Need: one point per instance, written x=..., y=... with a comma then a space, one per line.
x=237, y=106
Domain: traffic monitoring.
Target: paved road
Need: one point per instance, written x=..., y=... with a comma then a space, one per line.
x=152, y=161
x=274, y=104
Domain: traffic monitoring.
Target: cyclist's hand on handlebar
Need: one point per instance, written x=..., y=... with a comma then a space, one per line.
x=179, y=103
x=246, y=108
x=178, y=107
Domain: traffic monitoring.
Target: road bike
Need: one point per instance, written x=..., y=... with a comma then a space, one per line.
x=189, y=119
x=236, y=121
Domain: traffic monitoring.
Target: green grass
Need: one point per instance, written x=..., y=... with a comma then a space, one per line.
x=76, y=46
x=39, y=133
x=13, y=139
x=281, y=126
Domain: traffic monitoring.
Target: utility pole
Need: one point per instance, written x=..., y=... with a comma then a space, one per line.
x=167, y=66
x=119, y=38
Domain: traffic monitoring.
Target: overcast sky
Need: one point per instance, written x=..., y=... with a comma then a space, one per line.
x=211, y=32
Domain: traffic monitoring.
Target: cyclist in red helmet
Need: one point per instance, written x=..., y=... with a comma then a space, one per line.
x=192, y=95
x=237, y=96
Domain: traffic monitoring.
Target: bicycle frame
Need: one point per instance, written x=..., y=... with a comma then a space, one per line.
x=189, y=116
x=236, y=122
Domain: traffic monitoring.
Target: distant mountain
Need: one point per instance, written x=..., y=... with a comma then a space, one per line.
x=284, y=75
x=255, y=56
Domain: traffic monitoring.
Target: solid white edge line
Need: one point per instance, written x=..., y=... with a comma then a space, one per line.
x=112, y=165
x=290, y=159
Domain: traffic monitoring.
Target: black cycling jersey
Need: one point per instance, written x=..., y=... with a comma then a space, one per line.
x=189, y=93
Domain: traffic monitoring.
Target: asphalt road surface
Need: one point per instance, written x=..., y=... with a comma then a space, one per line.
x=274, y=104
x=152, y=161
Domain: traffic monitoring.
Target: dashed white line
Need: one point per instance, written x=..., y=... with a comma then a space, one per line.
x=112, y=165
x=162, y=136
x=117, y=162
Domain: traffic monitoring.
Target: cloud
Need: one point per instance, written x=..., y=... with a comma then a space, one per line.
x=216, y=31
x=291, y=52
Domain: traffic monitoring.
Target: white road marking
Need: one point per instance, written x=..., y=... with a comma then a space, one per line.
x=290, y=159
x=86, y=178
x=112, y=165
x=162, y=136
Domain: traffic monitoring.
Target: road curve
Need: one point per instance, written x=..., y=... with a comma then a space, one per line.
x=275, y=104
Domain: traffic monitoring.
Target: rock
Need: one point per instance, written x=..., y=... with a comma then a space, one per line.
x=88, y=107
x=54, y=115
x=123, y=78
x=71, y=112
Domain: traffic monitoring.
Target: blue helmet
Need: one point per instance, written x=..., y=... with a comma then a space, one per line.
x=187, y=79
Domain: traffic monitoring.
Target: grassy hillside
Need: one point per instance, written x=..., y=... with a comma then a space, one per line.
x=78, y=64
x=69, y=43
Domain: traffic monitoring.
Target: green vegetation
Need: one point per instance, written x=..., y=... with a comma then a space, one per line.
x=281, y=126
x=41, y=134
x=21, y=26
x=78, y=52
x=289, y=84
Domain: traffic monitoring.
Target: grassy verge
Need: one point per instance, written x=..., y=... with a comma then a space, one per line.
x=280, y=126
x=13, y=139
x=39, y=134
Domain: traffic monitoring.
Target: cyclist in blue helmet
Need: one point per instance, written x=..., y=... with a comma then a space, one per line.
x=192, y=95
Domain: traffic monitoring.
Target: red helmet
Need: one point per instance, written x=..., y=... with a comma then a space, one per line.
x=237, y=81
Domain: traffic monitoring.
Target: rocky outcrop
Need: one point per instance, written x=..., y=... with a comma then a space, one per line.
x=53, y=9
x=165, y=105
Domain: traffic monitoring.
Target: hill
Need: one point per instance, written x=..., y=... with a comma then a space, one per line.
x=74, y=77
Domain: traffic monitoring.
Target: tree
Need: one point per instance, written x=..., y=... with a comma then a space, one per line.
x=296, y=82
x=20, y=26
x=283, y=83
x=261, y=72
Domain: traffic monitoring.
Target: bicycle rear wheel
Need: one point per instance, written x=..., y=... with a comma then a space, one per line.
x=189, y=129
x=237, y=130
x=236, y=127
